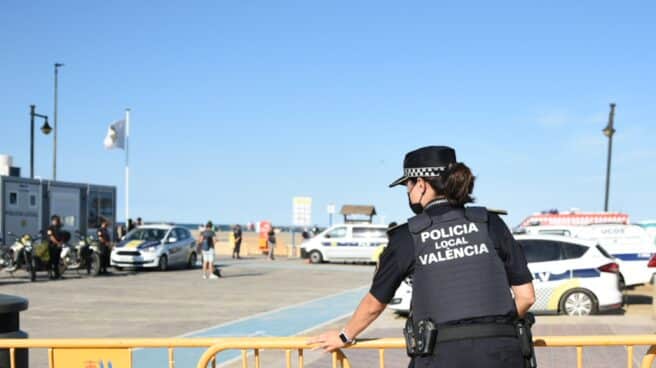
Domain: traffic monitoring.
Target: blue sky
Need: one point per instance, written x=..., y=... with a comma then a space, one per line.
x=239, y=106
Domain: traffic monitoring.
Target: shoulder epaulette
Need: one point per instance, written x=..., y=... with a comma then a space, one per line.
x=498, y=211
x=396, y=227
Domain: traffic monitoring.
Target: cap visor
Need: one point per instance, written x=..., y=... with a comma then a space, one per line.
x=399, y=181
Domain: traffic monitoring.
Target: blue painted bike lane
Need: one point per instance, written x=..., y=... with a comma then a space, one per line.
x=287, y=321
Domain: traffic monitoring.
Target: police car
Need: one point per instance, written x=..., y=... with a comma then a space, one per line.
x=346, y=243
x=632, y=245
x=155, y=246
x=571, y=276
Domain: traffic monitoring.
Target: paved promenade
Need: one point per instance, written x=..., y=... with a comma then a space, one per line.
x=262, y=298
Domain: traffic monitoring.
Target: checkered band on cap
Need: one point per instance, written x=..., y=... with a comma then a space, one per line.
x=418, y=172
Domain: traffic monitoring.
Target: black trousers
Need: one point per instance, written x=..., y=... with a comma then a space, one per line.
x=104, y=257
x=496, y=352
x=53, y=263
x=237, y=248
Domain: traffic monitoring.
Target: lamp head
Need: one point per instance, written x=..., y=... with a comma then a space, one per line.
x=608, y=131
x=46, y=128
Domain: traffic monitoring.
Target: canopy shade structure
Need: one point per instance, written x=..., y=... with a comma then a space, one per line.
x=358, y=213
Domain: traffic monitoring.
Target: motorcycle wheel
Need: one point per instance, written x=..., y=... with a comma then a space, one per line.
x=94, y=266
x=62, y=267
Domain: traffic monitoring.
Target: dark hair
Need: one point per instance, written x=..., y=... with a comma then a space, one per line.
x=456, y=184
x=54, y=217
x=208, y=224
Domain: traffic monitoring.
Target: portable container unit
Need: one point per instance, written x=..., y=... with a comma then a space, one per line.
x=27, y=204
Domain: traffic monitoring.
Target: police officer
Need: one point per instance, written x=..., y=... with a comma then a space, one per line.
x=55, y=243
x=464, y=263
x=104, y=241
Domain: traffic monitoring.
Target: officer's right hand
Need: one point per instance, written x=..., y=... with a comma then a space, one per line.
x=328, y=341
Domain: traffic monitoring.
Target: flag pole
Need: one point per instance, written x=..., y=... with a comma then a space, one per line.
x=127, y=165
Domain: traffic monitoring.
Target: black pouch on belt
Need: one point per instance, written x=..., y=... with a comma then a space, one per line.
x=420, y=337
x=523, y=327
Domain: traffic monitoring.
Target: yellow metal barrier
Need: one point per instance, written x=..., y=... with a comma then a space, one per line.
x=298, y=344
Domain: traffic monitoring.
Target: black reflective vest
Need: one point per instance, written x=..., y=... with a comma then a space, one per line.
x=458, y=273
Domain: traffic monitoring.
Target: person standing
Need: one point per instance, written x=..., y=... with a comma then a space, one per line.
x=271, y=243
x=130, y=225
x=139, y=222
x=236, y=232
x=55, y=243
x=206, y=240
x=471, y=281
x=104, y=241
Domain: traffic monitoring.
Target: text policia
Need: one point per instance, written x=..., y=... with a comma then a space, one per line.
x=451, y=243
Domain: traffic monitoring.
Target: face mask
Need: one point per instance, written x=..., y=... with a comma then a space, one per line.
x=416, y=208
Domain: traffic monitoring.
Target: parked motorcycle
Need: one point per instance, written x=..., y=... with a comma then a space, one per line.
x=85, y=255
x=29, y=253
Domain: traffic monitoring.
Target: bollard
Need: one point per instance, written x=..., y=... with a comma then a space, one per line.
x=10, y=308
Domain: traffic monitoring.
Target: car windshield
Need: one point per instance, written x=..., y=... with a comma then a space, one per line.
x=146, y=234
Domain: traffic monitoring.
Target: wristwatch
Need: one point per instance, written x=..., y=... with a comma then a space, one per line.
x=344, y=337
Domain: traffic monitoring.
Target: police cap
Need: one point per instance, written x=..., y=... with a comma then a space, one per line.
x=425, y=162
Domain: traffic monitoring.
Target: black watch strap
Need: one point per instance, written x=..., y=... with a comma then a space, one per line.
x=345, y=339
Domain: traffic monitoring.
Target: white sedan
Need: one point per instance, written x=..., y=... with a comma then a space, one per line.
x=571, y=276
x=155, y=246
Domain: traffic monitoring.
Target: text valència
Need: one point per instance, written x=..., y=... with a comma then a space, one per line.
x=451, y=243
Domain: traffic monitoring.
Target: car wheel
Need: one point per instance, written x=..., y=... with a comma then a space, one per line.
x=579, y=302
x=193, y=258
x=316, y=257
x=163, y=264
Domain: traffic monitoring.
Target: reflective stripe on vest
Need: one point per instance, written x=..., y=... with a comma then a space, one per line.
x=458, y=273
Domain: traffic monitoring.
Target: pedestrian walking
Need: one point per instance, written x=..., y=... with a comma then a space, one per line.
x=271, y=243
x=206, y=241
x=237, y=234
x=465, y=267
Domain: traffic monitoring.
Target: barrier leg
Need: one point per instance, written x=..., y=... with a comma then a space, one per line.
x=649, y=357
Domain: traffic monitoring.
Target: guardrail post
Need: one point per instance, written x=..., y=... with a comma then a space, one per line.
x=10, y=308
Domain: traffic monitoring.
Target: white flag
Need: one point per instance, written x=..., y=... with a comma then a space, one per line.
x=116, y=135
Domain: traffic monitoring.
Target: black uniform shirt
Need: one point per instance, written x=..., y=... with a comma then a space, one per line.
x=103, y=235
x=237, y=235
x=54, y=232
x=398, y=259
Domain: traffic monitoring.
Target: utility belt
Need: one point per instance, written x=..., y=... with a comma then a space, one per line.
x=423, y=337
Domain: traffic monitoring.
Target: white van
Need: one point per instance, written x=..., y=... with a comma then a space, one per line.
x=631, y=245
x=346, y=243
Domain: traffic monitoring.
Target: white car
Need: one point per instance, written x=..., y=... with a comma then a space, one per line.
x=571, y=276
x=632, y=245
x=155, y=246
x=346, y=243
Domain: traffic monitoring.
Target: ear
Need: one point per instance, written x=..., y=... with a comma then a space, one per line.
x=422, y=184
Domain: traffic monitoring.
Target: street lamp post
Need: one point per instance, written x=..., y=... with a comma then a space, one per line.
x=54, y=157
x=609, y=131
x=45, y=129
